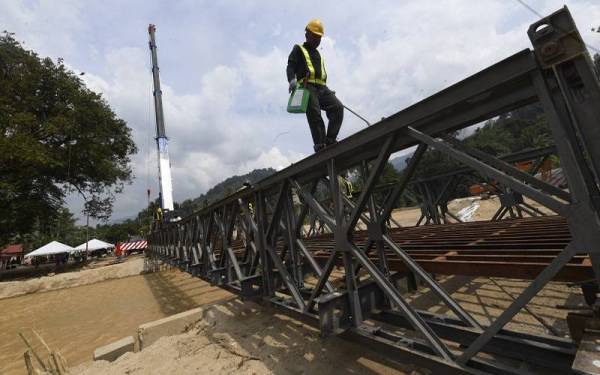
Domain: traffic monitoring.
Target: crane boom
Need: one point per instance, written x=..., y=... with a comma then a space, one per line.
x=164, y=165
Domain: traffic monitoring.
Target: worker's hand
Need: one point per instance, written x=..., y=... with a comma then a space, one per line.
x=293, y=84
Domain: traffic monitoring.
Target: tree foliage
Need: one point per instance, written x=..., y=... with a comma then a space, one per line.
x=139, y=226
x=56, y=136
x=60, y=227
x=127, y=229
x=521, y=129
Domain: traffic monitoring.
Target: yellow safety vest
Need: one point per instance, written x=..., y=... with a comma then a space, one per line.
x=349, y=188
x=345, y=186
x=311, y=69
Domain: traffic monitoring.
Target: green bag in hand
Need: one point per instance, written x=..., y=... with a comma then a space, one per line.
x=298, y=101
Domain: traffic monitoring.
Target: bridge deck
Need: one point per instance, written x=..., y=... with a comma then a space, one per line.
x=518, y=248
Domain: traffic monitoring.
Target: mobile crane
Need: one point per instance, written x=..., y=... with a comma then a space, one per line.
x=164, y=165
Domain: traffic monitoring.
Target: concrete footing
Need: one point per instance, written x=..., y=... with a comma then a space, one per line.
x=172, y=325
x=114, y=350
x=148, y=333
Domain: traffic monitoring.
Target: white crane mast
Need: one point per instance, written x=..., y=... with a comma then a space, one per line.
x=164, y=165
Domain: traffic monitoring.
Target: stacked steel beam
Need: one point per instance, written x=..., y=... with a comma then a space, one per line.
x=518, y=248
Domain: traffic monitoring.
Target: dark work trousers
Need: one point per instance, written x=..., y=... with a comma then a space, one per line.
x=323, y=99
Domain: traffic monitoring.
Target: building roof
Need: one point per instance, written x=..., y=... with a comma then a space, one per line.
x=12, y=250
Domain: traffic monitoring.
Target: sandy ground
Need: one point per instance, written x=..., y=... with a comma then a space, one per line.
x=75, y=321
x=245, y=338
x=130, y=267
x=485, y=210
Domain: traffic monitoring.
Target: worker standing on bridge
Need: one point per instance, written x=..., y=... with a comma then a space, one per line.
x=306, y=66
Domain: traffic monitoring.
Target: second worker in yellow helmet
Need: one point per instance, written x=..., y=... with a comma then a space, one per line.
x=307, y=66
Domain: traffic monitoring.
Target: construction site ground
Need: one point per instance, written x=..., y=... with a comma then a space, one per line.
x=245, y=338
x=236, y=337
x=76, y=320
x=94, y=272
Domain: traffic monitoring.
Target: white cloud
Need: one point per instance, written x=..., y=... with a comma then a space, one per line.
x=209, y=139
x=267, y=83
x=46, y=26
x=272, y=158
x=223, y=76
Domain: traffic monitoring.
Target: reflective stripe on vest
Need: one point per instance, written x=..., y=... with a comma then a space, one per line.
x=311, y=69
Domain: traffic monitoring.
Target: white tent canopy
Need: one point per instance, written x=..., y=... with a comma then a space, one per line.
x=51, y=248
x=94, y=244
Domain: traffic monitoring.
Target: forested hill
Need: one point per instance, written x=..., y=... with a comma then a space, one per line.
x=225, y=188
x=521, y=129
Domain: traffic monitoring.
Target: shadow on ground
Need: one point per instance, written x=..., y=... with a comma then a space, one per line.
x=176, y=291
x=486, y=298
x=286, y=346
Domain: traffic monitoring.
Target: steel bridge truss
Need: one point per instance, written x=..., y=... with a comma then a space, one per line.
x=433, y=193
x=252, y=242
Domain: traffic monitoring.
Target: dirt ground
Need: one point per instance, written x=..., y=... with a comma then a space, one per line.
x=75, y=321
x=485, y=209
x=245, y=338
x=100, y=272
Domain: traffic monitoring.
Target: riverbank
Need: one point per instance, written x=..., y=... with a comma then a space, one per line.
x=75, y=321
x=131, y=267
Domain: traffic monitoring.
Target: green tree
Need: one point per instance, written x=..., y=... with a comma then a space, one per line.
x=389, y=174
x=56, y=137
x=120, y=232
x=61, y=227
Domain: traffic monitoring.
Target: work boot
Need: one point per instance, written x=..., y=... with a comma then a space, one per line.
x=319, y=146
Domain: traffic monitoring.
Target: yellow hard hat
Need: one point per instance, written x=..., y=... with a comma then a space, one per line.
x=315, y=26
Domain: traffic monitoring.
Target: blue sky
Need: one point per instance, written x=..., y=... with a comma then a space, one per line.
x=222, y=67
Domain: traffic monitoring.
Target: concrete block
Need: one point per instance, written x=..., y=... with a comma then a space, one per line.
x=148, y=333
x=114, y=350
